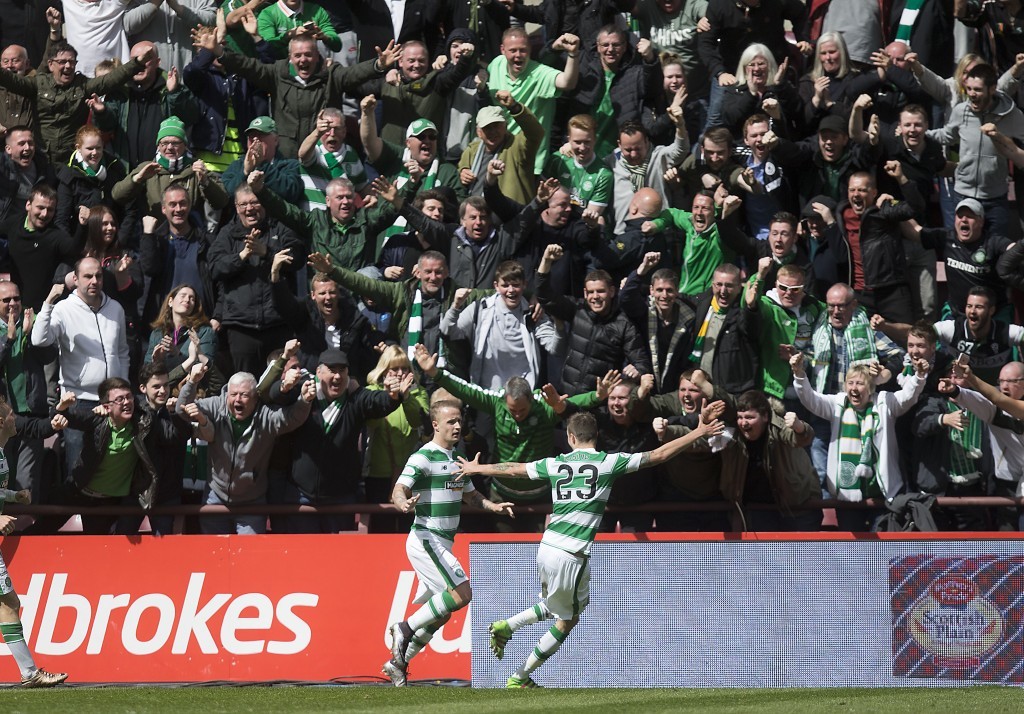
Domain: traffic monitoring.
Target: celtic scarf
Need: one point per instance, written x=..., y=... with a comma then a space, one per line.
x=858, y=343
x=426, y=183
x=343, y=163
x=637, y=174
x=907, y=19
x=858, y=457
x=329, y=410
x=965, y=449
x=652, y=338
x=100, y=173
x=415, y=331
x=698, y=342
x=174, y=166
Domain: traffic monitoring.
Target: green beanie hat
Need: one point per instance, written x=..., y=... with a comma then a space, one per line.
x=171, y=126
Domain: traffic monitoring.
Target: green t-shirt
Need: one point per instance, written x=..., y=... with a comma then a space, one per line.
x=113, y=477
x=586, y=184
x=534, y=88
x=607, y=126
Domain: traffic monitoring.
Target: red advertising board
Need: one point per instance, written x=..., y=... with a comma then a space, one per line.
x=233, y=608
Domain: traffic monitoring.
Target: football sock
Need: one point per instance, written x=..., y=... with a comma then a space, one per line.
x=422, y=636
x=435, y=609
x=14, y=638
x=530, y=615
x=547, y=646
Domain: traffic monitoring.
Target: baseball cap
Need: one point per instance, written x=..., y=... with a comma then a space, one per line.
x=834, y=123
x=488, y=116
x=419, y=126
x=264, y=125
x=973, y=205
x=333, y=358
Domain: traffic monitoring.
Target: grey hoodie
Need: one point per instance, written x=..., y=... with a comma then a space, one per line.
x=982, y=171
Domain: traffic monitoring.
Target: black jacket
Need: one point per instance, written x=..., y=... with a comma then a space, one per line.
x=931, y=446
x=327, y=465
x=11, y=204
x=734, y=26
x=357, y=336
x=597, y=343
x=633, y=80
x=735, y=366
x=156, y=254
x=881, y=243
x=33, y=359
x=75, y=188
x=33, y=258
x=245, y=297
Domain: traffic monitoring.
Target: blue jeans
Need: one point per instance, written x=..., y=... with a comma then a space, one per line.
x=74, y=440
x=227, y=524
x=714, y=105
x=819, y=451
x=316, y=522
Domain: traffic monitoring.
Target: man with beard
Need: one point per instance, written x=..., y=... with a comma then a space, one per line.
x=62, y=95
x=601, y=337
x=329, y=437
x=712, y=165
x=665, y=320
x=22, y=169
x=241, y=258
x=986, y=340
x=241, y=433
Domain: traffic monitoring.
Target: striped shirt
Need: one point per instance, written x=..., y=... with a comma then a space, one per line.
x=431, y=472
x=581, y=483
x=325, y=166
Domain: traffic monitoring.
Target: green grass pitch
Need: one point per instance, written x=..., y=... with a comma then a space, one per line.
x=459, y=700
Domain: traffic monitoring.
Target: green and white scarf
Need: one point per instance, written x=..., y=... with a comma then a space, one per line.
x=174, y=166
x=415, y=331
x=652, y=339
x=858, y=341
x=907, y=19
x=637, y=174
x=965, y=449
x=858, y=457
x=329, y=410
x=100, y=174
x=426, y=183
x=326, y=166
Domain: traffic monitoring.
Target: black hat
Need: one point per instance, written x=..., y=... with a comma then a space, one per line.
x=809, y=211
x=333, y=358
x=835, y=123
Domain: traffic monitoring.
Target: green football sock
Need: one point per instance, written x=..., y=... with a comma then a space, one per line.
x=547, y=646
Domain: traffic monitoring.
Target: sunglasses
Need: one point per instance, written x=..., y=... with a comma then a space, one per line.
x=783, y=289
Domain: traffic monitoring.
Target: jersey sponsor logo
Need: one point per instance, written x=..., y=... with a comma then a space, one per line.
x=454, y=485
x=155, y=622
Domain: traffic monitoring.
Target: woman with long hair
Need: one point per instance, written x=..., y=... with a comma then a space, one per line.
x=87, y=179
x=832, y=85
x=122, y=274
x=182, y=335
x=392, y=439
x=759, y=78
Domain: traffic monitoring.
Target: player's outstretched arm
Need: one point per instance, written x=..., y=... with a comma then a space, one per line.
x=477, y=500
x=672, y=448
x=505, y=470
x=403, y=499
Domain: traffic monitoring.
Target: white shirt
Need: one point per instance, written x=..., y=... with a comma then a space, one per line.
x=96, y=30
x=397, y=8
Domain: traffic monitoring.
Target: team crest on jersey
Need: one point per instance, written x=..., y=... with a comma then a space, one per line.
x=588, y=185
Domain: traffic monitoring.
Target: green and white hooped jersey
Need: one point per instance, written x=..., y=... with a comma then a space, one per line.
x=581, y=483
x=586, y=184
x=431, y=472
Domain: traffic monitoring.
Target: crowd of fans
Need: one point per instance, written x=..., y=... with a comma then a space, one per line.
x=249, y=245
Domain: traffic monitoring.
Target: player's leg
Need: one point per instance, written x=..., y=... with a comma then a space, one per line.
x=501, y=631
x=565, y=586
x=14, y=638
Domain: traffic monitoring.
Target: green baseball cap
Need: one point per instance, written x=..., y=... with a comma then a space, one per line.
x=419, y=126
x=264, y=125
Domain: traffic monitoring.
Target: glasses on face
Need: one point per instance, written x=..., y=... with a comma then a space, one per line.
x=121, y=400
x=243, y=205
x=166, y=144
x=65, y=62
x=1012, y=381
x=840, y=306
x=783, y=289
x=13, y=298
